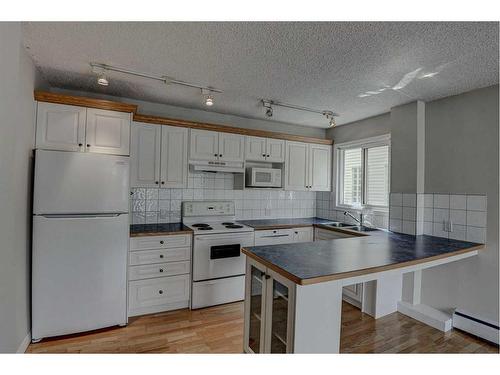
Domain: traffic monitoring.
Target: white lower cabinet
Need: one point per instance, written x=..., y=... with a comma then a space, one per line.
x=269, y=311
x=159, y=273
x=304, y=234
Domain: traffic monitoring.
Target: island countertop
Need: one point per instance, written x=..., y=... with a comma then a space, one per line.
x=313, y=262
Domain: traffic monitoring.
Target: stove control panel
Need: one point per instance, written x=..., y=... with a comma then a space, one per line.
x=207, y=208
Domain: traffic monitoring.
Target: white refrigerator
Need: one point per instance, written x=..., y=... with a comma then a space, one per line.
x=80, y=242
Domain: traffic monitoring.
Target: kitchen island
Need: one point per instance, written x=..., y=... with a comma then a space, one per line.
x=293, y=294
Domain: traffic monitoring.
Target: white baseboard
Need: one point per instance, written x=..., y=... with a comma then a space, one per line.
x=426, y=314
x=24, y=344
x=479, y=327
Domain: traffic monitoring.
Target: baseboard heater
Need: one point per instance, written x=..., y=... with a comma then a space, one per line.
x=478, y=327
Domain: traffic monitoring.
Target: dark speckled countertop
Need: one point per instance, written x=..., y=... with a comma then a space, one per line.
x=137, y=230
x=312, y=262
x=284, y=223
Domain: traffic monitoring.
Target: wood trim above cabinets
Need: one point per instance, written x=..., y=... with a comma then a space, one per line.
x=228, y=129
x=50, y=97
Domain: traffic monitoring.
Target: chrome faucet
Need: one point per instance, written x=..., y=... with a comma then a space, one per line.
x=360, y=220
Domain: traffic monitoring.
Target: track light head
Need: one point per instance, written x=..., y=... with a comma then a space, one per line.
x=102, y=80
x=208, y=97
x=268, y=106
x=331, y=117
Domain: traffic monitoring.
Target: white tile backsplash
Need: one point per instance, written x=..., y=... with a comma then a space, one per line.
x=159, y=205
x=454, y=216
x=476, y=203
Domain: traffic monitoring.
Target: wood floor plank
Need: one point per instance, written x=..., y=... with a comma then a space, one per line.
x=219, y=329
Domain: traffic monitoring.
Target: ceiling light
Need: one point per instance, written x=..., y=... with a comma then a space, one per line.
x=102, y=80
x=268, y=106
x=209, y=100
x=331, y=117
x=208, y=97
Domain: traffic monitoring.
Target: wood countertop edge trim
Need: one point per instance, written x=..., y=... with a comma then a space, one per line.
x=228, y=129
x=147, y=234
x=50, y=97
x=345, y=275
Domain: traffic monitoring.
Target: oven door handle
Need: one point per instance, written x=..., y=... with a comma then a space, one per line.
x=225, y=251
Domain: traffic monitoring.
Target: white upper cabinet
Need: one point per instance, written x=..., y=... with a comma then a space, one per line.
x=264, y=149
x=204, y=145
x=72, y=128
x=275, y=150
x=308, y=166
x=60, y=127
x=320, y=165
x=145, y=155
x=174, y=164
x=209, y=145
x=296, y=164
x=107, y=132
x=255, y=148
x=158, y=156
x=231, y=147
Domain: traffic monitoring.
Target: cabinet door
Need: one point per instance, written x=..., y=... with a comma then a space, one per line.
x=145, y=155
x=275, y=150
x=279, y=303
x=303, y=234
x=255, y=148
x=174, y=154
x=296, y=166
x=231, y=147
x=204, y=145
x=108, y=132
x=60, y=127
x=320, y=164
x=254, y=308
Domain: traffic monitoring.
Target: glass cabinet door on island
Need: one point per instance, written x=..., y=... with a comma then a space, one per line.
x=269, y=307
x=254, y=333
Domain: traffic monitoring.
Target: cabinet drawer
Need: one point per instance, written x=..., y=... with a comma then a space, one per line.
x=159, y=256
x=160, y=242
x=148, y=295
x=273, y=237
x=158, y=270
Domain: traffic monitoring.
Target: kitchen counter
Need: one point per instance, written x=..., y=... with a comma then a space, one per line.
x=137, y=230
x=263, y=224
x=309, y=263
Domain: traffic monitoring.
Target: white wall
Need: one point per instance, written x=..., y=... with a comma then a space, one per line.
x=462, y=151
x=17, y=77
x=165, y=110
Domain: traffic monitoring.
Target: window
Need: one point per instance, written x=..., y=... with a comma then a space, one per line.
x=363, y=173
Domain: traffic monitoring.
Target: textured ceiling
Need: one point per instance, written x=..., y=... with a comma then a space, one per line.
x=356, y=69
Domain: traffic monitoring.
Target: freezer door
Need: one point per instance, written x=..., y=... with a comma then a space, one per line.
x=79, y=271
x=78, y=182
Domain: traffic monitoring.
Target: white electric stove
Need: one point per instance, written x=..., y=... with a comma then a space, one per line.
x=218, y=264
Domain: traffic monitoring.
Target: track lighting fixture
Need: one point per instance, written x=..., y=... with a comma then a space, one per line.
x=102, y=80
x=208, y=97
x=268, y=105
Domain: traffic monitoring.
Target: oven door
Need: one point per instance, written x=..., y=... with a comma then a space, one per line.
x=219, y=255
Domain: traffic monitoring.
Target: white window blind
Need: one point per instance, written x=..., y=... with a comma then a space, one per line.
x=377, y=176
x=352, y=176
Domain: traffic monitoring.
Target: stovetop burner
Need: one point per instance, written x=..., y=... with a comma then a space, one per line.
x=204, y=228
x=228, y=223
x=234, y=226
x=200, y=225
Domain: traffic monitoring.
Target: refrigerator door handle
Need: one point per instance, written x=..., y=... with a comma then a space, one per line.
x=80, y=216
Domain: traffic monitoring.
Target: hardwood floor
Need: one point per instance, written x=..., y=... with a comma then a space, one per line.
x=219, y=329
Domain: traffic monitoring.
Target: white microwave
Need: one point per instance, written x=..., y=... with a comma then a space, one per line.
x=263, y=177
